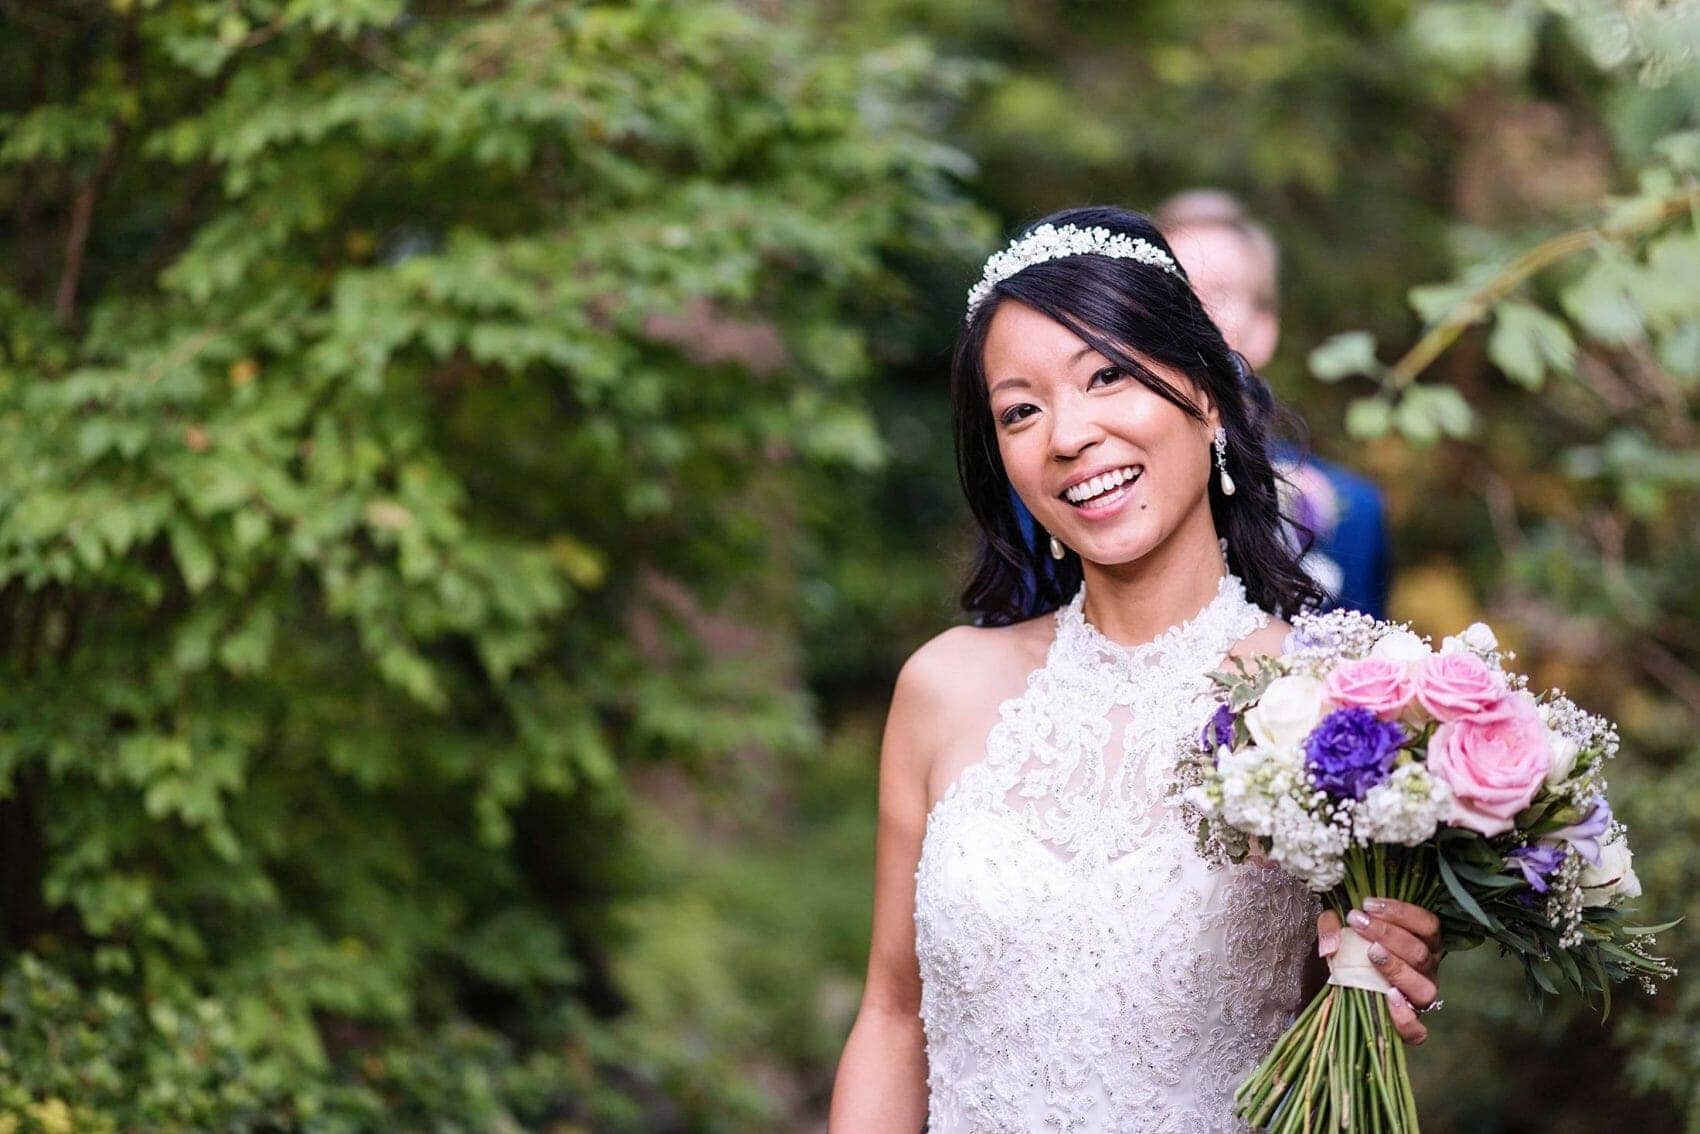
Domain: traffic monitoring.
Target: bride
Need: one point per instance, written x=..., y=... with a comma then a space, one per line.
x=1050, y=952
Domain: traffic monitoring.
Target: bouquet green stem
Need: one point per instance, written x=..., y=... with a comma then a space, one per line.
x=1341, y=1065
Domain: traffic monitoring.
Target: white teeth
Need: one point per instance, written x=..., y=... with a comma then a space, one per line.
x=1102, y=483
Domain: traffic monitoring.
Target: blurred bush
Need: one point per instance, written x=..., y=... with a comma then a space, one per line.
x=392, y=397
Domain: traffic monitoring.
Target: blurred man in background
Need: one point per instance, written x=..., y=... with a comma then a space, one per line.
x=1234, y=264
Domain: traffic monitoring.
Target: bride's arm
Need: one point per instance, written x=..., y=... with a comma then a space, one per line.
x=882, y=1075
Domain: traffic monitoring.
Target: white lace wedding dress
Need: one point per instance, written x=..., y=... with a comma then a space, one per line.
x=1083, y=968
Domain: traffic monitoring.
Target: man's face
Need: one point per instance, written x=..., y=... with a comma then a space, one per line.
x=1231, y=274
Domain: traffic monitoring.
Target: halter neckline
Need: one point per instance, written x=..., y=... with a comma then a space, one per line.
x=1228, y=601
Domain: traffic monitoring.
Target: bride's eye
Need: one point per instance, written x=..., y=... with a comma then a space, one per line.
x=1110, y=372
x=1013, y=414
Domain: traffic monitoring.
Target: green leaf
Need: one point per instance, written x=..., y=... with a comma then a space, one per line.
x=1668, y=290
x=1527, y=342
x=1567, y=965
x=1435, y=301
x=194, y=556
x=1477, y=37
x=1602, y=982
x=247, y=649
x=1679, y=352
x=1485, y=879
x=1602, y=303
x=1369, y=418
x=839, y=433
x=1649, y=930
x=1426, y=413
x=1462, y=896
x=1681, y=149
x=1343, y=355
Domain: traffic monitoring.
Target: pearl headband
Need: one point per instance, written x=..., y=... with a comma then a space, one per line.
x=1049, y=242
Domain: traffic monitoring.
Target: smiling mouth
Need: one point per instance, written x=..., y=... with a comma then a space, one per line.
x=1103, y=489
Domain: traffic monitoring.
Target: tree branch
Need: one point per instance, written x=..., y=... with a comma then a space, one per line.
x=77, y=232
x=1445, y=332
x=1668, y=670
x=82, y=207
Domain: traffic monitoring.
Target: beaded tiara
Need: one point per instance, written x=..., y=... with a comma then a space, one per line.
x=1051, y=242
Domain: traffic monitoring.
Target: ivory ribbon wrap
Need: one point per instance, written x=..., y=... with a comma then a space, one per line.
x=1349, y=965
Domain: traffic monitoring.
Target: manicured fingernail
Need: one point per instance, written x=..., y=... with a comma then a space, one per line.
x=1396, y=998
x=1374, y=905
x=1377, y=955
x=1357, y=920
x=1327, y=944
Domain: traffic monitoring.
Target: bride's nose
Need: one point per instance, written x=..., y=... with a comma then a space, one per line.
x=1074, y=427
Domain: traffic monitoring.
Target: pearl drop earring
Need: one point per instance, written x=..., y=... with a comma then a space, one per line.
x=1221, y=442
x=1056, y=548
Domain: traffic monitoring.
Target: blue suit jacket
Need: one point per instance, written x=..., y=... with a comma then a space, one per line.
x=1352, y=534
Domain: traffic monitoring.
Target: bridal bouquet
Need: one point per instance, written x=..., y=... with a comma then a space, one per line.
x=1367, y=763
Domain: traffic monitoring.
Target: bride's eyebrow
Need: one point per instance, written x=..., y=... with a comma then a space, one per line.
x=1073, y=360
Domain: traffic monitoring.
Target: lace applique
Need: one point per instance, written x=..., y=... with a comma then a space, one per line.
x=1083, y=969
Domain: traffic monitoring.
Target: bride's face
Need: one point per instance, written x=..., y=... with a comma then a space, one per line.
x=1065, y=414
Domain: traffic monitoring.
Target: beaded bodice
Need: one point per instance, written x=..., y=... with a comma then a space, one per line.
x=1083, y=967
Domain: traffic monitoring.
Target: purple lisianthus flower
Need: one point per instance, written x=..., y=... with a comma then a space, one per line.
x=1585, y=836
x=1538, y=863
x=1299, y=638
x=1219, y=729
x=1351, y=750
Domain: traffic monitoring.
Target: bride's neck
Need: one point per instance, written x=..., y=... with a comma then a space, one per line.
x=1132, y=603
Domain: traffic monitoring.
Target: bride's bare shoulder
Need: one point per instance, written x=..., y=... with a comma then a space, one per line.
x=962, y=667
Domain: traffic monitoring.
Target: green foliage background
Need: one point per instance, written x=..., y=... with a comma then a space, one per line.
x=473, y=469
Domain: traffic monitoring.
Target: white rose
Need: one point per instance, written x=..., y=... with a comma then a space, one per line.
x=1564, y=753
x=1613, y=877
x=1477, y=638
x=1400, y=645
x=1286, y=712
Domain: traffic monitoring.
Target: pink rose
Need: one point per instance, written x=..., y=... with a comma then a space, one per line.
x=1494, y=763
x=1381, y=685
x=1452, y=686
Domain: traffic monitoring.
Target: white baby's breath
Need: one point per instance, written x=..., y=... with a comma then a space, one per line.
x=1404, y=808
x=1253, y=782
x=1321, y=640
x=1311, y=846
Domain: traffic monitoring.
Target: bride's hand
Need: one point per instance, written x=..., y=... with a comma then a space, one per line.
x=1405, y=945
